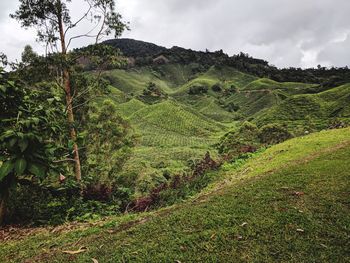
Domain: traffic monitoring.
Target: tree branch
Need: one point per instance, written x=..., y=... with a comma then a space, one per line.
x=79, y=20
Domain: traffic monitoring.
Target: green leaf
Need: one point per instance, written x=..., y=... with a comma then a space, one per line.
x=36, y=120
x=12, y=142
x=23, y=144
x=20, y=166
x=37, y=170
x=5, y=169
x=3, y=88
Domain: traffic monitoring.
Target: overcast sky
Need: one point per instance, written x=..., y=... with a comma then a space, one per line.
x=285, y=32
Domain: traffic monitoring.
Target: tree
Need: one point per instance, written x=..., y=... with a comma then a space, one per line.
x=28, y=130
x=53, y=22
x=28, y=55
x=3, y=60
x=108, y=142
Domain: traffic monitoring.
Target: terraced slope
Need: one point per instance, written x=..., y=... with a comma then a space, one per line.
x=320, y=108
x=289, y=204
x=169, y=135
x=134, y=81
x=184, y=126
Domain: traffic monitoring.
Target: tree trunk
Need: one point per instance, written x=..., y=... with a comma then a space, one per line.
x=69, y=101
x=70, y=115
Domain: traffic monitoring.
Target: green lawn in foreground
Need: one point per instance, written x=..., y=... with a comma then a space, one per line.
x=290, y=204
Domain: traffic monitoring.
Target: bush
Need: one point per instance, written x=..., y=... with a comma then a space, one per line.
x=248, y=139
x=180, y=186
x=336, y=124
x=196, y=90
x=231, y=107
x=274, y=134
x=36, y=205
x=216, y=87
x=152, y=94
x=243, y=140
x=232, y=89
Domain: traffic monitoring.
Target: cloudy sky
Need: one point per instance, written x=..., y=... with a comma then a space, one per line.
x=285, y=32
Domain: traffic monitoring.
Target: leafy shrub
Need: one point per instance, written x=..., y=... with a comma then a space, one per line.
x=30, y=126
x=179, y=187
x=336, y=124
x=152, y=94
x=232, y=89
x=216, y=87
x=248, y=139
x=231, y=107
x=37, y=205
x=197, y=90
x=244, y=140
x=274, y=134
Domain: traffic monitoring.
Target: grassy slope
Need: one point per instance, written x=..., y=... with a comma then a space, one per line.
x=209, y=227
x=319, y=107
x=169, y=133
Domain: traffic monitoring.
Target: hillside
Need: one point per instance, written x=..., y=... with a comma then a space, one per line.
x=320, y=108
x=191, y=107
x=287, y=204
x=143, y=53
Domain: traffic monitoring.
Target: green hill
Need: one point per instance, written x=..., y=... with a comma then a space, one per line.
x=318, y=108
x=287, y=204
x=169, y=135
x=183, y=125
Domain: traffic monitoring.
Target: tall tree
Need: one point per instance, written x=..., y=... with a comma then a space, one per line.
x=53, y=22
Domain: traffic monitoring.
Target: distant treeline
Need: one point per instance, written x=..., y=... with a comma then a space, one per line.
x=144, y=53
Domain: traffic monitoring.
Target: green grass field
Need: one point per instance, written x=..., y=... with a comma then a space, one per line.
x=290, y=203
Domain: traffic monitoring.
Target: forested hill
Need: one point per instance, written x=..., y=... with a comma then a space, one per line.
x=145, y=53
x=135, y=48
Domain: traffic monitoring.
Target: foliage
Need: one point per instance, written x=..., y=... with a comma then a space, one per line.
x=28, y=133
x=152, y=94
x=46, y=15
x=274, y=134
x=197, y=90
x=179, y=187
x=107, y=142
x=243, y=140
x=216, y=87
x=50, y=206
x=326, y=77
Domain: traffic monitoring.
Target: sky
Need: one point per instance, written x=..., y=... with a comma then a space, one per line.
x=298, y=33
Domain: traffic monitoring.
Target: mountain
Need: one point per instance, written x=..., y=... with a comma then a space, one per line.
x=135, y=48
x=145, y=53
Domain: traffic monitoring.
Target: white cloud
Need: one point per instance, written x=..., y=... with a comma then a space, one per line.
x=284, y=32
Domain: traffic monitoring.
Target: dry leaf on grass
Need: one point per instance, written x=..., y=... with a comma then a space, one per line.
x=80, y=250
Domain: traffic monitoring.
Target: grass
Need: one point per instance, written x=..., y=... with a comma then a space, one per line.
x=288, y=204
